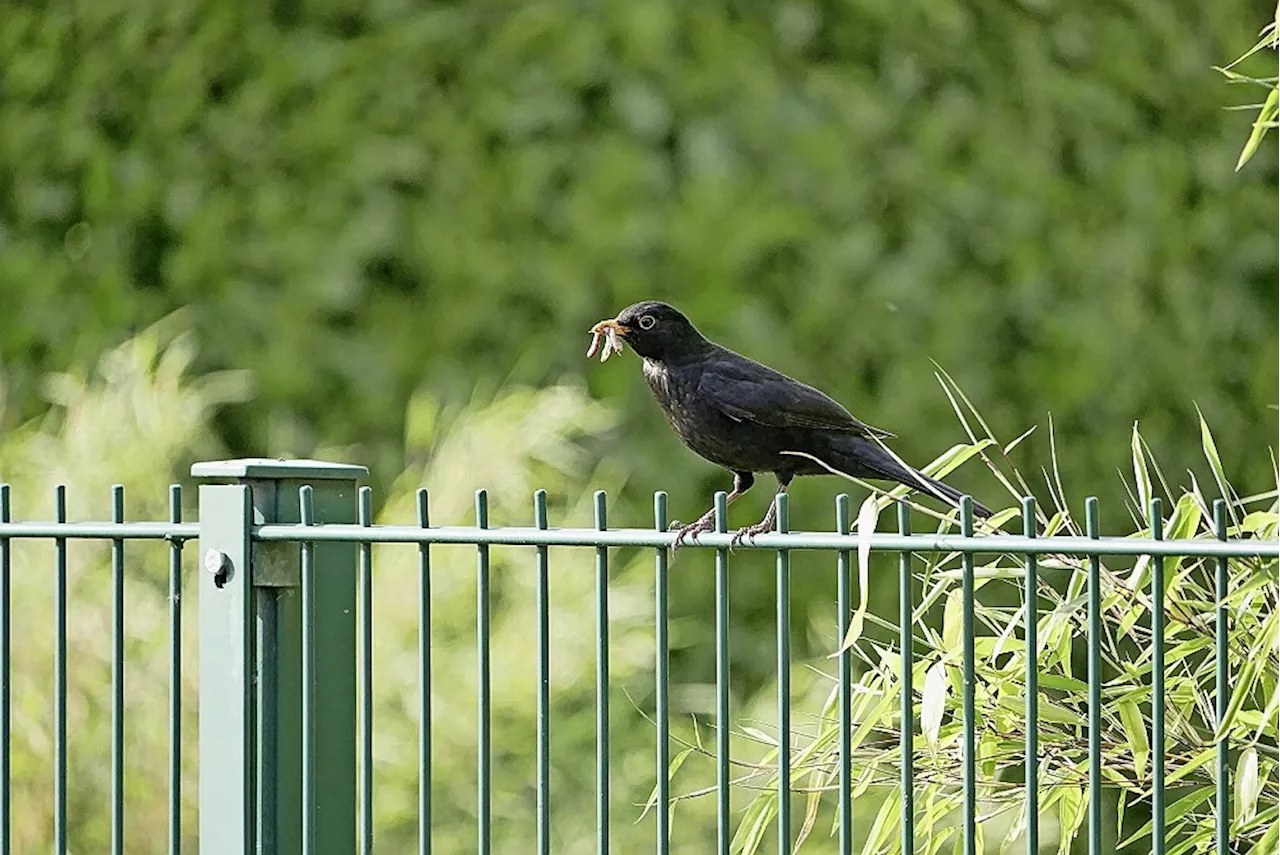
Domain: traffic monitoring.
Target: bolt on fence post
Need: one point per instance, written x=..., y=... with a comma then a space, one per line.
x=251, y=649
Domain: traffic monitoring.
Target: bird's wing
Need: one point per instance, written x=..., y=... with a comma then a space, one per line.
x=745, y=390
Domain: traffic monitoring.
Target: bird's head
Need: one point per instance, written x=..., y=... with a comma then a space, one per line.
x=656, y=331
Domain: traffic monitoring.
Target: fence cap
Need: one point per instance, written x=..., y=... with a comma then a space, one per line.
x=278, y=468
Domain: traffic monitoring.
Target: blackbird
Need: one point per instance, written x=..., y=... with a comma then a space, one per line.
x=747, y=417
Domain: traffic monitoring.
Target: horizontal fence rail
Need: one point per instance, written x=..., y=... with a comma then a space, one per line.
x=286, y=639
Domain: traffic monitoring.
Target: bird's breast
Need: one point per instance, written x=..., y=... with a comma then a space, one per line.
x=703, y=427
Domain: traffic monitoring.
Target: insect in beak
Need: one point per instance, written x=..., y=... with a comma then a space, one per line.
x=611, y=331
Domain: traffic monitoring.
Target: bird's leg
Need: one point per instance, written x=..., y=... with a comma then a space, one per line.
x=742, y=482
x=766, y=524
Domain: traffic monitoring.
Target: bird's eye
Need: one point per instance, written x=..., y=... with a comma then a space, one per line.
x=647, y=322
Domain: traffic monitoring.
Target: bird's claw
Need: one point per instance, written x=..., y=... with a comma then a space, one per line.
x=748, y=534
x=692, y=530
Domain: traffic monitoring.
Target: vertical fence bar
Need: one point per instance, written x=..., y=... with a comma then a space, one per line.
x=1157, y=685
x=970, y=749
x=424, y=680
x=662, y=678
x=307, y=515
x=844, y=612
x=483, y=789
x=784, y=679
x=602, y=678
x=365, y=573
x=60, y=678
x=724, y=830
x=544, y=682
x=1222, y=821
x=4, y=676
x=1032, y=758
x=905, y=611
x=175, y=675
x=117, y=676
x=1095, y=682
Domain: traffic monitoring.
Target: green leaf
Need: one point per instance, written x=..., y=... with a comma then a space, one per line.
x=933, y=702
x=1266, y=119
x=1141, y=477
x=1175, y=812
x=1135, y=730
x=883, y=826
x=1070, y=816
x=953, y=623
x=1206, y=756
x=754, y=824
x=676, y=762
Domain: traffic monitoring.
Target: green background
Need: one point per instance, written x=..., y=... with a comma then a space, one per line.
x=363, y=202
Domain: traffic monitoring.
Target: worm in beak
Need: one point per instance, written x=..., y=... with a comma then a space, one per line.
x=610, y=331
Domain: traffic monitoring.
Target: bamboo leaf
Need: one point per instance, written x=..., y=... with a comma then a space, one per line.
x=1141, y=477
x=676, y=762
x=933, y=702
x=1206, y=756
x=883, y=826
x=1175, y=812
x=1070, y=815
x=1265, y=120
x=1248, y=784
x=755, y=822
x=1135, y=731
x=866, y=525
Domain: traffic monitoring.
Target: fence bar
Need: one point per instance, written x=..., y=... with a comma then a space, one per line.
x=724, y=830
x=1157, y=685
x=365, y=573
x=5, y=795
x=844, y=618
x=175, y=676
x=1095, y=682
x=60, y=679
x=905, y=612
x=970, y=749
x=483, y=759
x=602, y=678
x=1222, y=820
x=117, y=676
x=307, y=514
x=825, y=541
x=662, y=678
x=424, y=680
x=784, y=680
x=544, y=683
x=104, y=530
x=1032, y=759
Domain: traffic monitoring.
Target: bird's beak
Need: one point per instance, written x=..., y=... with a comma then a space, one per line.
x=602, y=328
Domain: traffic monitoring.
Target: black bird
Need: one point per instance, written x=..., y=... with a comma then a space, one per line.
x=747, y=417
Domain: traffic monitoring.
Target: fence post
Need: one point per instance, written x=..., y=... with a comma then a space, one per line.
x=251, y=750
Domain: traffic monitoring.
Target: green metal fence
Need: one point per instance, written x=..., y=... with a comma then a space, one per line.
x=285, y=639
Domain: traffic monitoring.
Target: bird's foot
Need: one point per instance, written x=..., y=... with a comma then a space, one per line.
x=749, y=533
x=684, y=532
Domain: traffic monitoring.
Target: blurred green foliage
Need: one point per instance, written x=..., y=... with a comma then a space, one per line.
x=368, y=204
x=361, y=199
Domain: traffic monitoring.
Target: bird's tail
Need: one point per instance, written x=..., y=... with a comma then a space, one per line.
x=858, y=457
x=951, y=494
